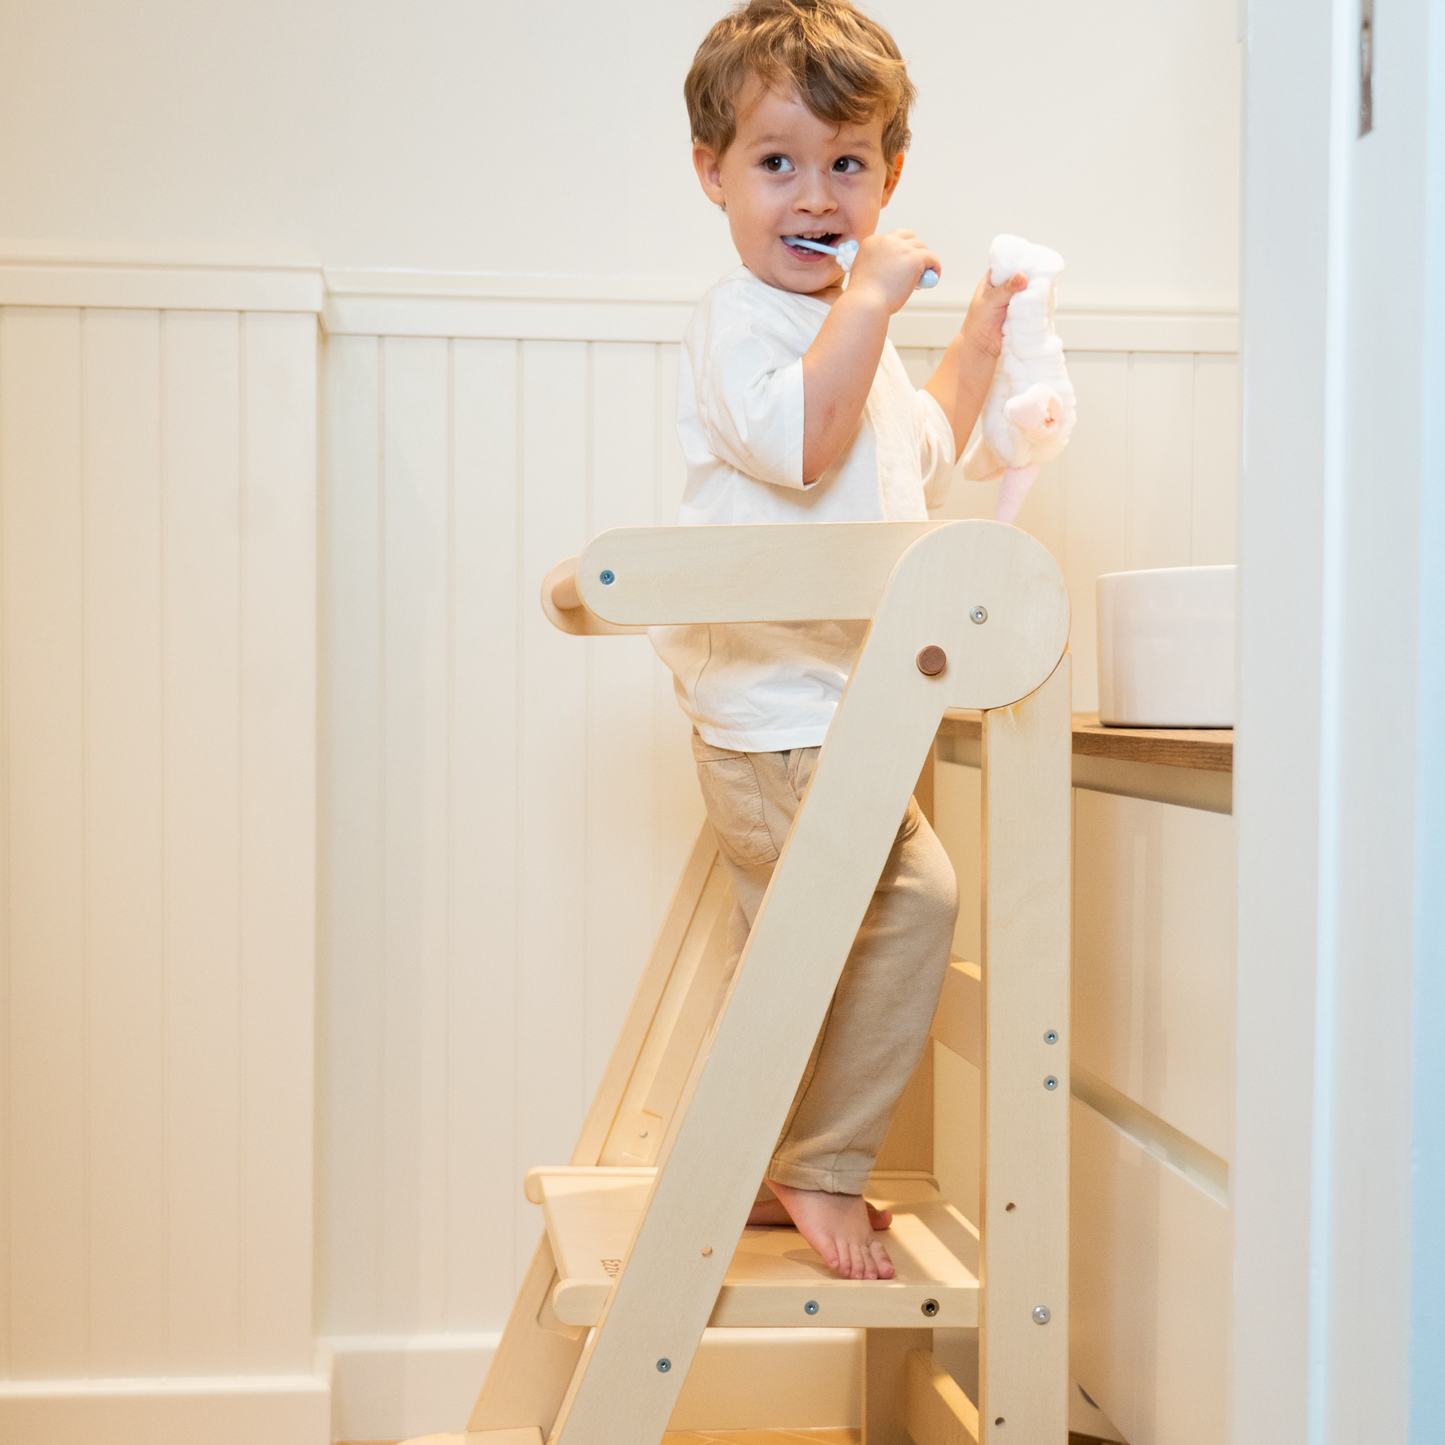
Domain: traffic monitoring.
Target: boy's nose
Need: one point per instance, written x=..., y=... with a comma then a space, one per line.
x=815, y=196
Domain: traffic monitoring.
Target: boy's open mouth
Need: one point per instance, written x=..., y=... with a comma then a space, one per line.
x=804, y=253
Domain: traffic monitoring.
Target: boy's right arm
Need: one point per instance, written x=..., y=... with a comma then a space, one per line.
x=839, y=367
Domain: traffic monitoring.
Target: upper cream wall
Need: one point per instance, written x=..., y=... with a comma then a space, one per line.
x=489, y=135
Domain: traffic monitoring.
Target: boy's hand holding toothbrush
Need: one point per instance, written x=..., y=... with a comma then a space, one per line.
x=893, y=266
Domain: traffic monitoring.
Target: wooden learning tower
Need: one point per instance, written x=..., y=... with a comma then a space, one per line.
x=641, y=1249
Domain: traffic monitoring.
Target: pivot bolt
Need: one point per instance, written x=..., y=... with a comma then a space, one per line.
x=930, y=1307
x=1042, y=1315
x=607, y=577
x=663, y=1366
x=979, y=614
x=932, y=660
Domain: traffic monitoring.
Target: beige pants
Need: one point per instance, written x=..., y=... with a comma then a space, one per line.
x=877, y=1024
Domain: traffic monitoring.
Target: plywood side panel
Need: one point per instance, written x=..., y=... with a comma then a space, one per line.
x=201, y=630
x=42, y=506
x=124, y=810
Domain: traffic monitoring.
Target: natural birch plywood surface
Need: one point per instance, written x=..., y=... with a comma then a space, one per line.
x=741, y=1092
x=1023, y=1366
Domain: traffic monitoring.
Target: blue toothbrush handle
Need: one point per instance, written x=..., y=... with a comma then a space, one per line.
x=930, y=278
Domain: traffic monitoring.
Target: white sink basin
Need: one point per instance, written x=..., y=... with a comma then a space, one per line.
x=1166, y=648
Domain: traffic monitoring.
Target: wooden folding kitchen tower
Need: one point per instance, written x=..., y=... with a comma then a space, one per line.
x=641, y=1249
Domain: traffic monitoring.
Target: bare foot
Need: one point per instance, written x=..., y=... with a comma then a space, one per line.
x=838, y=1227
x=771, y=1211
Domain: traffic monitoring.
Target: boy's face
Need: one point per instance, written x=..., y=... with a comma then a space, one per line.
x=787, y=173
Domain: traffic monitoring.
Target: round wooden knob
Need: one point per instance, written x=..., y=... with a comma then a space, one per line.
x=932, y=660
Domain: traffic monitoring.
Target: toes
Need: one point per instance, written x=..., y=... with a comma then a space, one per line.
x=880, y=1259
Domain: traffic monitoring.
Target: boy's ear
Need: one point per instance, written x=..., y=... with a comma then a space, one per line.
x=709, y=172
x=890, y=181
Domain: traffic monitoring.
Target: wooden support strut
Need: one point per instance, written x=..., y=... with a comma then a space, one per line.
x=990, y=600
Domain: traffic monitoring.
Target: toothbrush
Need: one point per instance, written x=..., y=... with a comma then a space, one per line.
x=847, y=251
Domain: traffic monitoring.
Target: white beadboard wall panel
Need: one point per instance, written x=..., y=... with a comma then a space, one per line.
x=277, y=659
x=43, y=501
x=157, y=485
x=201, y=625
x=1216, y=460
x=123, y=838
x=352, y=1163
x=555, y=415
x=508, y=808
x=486, y=799
x=415, y=469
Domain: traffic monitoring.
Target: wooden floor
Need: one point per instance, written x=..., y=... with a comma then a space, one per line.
x=728, y=1437
x=761, y=1437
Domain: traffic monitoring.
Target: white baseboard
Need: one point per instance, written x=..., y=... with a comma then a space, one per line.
x=229, y=1410
x=392, y=1387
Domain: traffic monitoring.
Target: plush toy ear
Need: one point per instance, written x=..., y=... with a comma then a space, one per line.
x=981, y=463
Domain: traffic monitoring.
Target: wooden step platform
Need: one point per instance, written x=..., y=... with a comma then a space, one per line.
x=774, y=1278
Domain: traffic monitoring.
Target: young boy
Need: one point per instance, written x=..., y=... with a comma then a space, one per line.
x=793, y=406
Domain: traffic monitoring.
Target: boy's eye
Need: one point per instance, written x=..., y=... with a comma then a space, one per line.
x=847, y=165
x=777, y=163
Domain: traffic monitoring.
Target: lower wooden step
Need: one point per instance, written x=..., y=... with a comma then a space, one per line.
x=774, y=1278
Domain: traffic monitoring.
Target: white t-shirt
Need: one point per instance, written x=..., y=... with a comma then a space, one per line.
x=768, y=686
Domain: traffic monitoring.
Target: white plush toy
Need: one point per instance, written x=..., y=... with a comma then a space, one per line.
x=1029, y=411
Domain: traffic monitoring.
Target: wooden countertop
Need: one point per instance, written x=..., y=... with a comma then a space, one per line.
x=1200, y=749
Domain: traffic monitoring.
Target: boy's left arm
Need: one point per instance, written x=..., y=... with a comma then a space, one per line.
x=965, y=374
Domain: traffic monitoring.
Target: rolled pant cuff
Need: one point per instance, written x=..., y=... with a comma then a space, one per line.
x=830, y=1181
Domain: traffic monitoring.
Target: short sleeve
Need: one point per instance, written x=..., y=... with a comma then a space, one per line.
x=750, y=402
x=935, y=451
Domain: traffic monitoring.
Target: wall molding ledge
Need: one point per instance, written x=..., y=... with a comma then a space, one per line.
x=530, y=307
x=125, y=285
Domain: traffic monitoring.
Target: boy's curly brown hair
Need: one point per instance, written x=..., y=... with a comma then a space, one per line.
x=845, y=67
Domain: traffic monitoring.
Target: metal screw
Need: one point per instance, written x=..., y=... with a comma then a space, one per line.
x=811, y=1308
x=607, y=577
x=663, y=1366
x=1051, y=1037
x=979, y=614
x=1051, y=1082
x=930, y=1307
x=1042, y=1315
